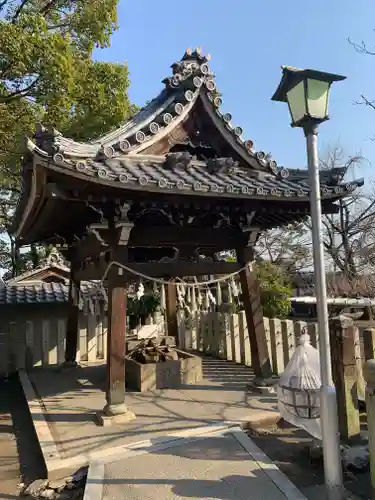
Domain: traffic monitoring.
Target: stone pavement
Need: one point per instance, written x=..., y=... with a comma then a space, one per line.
x=9, y=466
x=70, y=399
x=223, y=464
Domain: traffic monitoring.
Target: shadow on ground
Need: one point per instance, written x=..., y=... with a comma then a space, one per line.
x=20, y=452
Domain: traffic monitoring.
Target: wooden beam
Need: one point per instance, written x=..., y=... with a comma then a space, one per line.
x=90, y=246
x=158, y=269
x=168, y=236
x=201, y=237
x=260, y=359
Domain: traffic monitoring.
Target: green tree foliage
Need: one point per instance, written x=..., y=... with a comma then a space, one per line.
x=275, y=289
x=275, y=286
x=140, y=309
x=47, y=74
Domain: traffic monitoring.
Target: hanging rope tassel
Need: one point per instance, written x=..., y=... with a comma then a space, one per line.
x=219, y=298
x=193, y=300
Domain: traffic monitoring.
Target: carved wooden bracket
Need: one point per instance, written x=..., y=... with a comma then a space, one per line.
x=123, y=226
x=99, y=230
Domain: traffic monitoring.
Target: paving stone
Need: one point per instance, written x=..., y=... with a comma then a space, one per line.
x=48, y=493
x=36, y=486
x=57, y=484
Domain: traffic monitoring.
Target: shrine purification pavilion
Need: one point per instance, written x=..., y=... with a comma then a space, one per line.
x=162, y=194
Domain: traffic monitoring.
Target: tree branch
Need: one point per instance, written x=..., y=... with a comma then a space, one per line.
x=19, y=93
x=47, y=7
x=361, y=48
x=18, y=11
x=366, y=101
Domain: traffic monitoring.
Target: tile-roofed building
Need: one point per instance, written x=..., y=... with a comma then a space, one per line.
x=41, y=293
x=180, y=144
x=161, y=196
x=46, y=284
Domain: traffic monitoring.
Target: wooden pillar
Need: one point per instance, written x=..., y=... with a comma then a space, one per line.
x=73, y=317
x=117, y=298
x=260, y=360
x=115, y=411
x=344, y=374
x=171, y=310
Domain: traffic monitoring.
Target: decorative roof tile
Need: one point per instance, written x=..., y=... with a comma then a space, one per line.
x=191, y=78
x=183, y=173
x=44, y=293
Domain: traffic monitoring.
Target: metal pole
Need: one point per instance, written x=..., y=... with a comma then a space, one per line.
x=328, y=403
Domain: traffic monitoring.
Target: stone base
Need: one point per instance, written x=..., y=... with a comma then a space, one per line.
x=264, y=385
x=164, y=374
x=69, y=365
x=107, y=419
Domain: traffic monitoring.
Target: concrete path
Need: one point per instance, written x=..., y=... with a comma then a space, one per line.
x=9, y=466
x=64, y=415
x=221, y=464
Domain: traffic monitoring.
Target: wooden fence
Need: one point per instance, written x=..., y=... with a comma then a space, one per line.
x=41, y=342
x=226, y=336
x=35, y=343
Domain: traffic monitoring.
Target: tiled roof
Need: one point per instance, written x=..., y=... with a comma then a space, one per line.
x=191, y=79
x=28, y=275
x=118, y=157
x=44, y=293
x=184, y=174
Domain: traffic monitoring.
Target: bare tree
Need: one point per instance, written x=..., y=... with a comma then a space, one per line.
x=288, y=247
x=363, y=48
x=348, y=238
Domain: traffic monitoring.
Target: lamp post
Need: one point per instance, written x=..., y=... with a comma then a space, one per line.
x=307, y=93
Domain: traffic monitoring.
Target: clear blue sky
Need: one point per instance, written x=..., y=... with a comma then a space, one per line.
x=249, y=41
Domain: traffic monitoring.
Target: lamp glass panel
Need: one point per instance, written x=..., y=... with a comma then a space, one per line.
x=317, y=98
x=297, y=102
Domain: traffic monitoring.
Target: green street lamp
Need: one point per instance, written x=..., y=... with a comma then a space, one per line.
x=307, y=93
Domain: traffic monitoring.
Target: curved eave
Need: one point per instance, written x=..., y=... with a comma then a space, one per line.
x=31, y=202
x=127, y=184
x=158, y=118
x=141, y=120
x=192, y=81
x=145, y=128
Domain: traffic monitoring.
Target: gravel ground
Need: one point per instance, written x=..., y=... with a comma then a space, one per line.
x=19, y=449
x=288, y=446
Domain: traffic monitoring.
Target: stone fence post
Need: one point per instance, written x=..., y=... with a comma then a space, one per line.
x=369, y=343
x=369, y=375
x=344, y=373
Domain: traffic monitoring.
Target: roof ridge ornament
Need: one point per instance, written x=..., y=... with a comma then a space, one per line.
x=47, y=139
x=54, y=257
x=192, y=72
x=180, y=159
x=191, y=79
x=221, y=165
